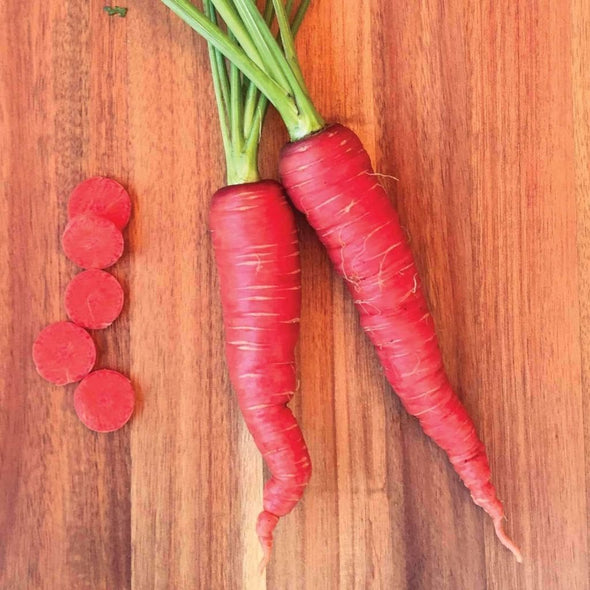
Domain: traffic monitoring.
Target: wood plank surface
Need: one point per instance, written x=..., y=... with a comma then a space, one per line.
x=481, y=112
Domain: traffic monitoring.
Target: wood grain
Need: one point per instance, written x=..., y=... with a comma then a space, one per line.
x=481, y=111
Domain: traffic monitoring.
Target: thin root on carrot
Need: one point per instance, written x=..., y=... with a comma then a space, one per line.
x=505, y=539
x=265, y=559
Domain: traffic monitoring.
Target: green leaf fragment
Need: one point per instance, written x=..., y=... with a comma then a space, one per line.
x=116, y=11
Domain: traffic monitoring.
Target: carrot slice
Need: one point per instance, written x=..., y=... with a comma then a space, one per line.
x=92, y=242
x=64, y=353
x=94, y=299
x=104, y=400
x=103, y=197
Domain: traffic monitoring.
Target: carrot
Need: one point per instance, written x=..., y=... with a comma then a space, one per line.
x=329, y=177
x=103, y=197
x=94, y=299
x=259, y=275
x=257, y=255
x=92, y=242
x=104, y=400
x=63, y=353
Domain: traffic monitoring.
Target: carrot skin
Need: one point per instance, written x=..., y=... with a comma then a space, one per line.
x=257, y=255
x=329, y=178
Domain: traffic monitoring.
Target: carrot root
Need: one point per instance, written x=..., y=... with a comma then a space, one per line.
x=265, y=527
x=329, y=178
x=505, y=539
x=265, y=559
x=256, y=250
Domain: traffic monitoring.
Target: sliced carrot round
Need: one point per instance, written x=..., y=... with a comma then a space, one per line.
x=94, y=299
x=104, y=400
x=103, y=197
x=92, y=242
x=64, y=353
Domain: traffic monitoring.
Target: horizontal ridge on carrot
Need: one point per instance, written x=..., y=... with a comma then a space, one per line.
x=328, y=175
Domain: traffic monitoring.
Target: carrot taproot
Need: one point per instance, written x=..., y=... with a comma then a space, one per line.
x=257, y=256
x=329, y=178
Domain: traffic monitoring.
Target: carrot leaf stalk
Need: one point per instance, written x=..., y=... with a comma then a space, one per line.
x=240, y=103
x=270, y=71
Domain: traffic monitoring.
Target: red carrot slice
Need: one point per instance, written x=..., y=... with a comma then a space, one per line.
x=104, y=400
x=92, y=242
x=94, y=299
x=103, y=197
x=64, y=353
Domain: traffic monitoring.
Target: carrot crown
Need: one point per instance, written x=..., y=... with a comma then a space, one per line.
x=269, y=64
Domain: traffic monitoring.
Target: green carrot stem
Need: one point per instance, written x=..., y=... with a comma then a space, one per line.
x=291, y=100
x=288, y=41
x=220, y=85
x=221, y=41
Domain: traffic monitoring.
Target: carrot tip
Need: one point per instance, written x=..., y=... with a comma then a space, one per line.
x=265, y=525
x=265, y=559
x=505, y=539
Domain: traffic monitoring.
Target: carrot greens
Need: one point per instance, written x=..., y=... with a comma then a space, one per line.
x=249, y=44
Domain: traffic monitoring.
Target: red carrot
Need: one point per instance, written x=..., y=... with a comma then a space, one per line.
x=257, y=255
x=63, y=353
x=329, y=177
x=104, y=400
x=94, y=299
x=103, y=197
x=92, y=242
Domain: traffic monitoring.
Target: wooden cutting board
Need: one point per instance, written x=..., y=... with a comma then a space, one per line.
x=480, y=111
